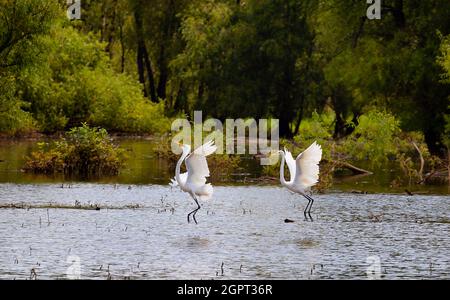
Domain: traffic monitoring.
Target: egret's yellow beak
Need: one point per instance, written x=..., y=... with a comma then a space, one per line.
x=271, y=153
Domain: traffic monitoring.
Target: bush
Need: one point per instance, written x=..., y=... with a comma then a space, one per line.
x=84, y=152
x=72, y=81
x=377, y=139
x=13, y=120
x=373, y=139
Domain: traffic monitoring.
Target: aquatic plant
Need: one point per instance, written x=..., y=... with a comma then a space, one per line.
x=84, y=151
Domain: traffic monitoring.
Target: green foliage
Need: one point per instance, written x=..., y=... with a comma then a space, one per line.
x=446, y=136
x=373, y=138
x=317, y=128
x=284, y=59
x=53, y=77
x=17, y=34
x=388, y=63
x=21, y=21
x=377, y=140
x=444, y=58
x=247, y=60
x=84, y=151
x=13, y=120
x=74, y=82
x=444, y=61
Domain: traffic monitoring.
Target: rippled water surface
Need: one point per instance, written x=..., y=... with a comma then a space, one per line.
x=242, y=227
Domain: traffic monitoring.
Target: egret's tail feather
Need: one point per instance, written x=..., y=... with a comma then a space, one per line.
x=173, y=182
x=205, y=192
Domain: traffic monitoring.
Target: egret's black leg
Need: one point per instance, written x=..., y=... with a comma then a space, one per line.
x=189, y=214
x=195, y=211
x=310, y=203
x=307, y=210
x=307, y=205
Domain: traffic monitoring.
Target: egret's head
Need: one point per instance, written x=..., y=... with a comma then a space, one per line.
x=185, y=147
x=272, y=154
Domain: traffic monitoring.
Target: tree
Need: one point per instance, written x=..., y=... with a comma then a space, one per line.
x=248, y=60
x=389, y=62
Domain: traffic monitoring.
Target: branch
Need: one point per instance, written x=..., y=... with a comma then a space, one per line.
x=422, y=161
x=346, y=165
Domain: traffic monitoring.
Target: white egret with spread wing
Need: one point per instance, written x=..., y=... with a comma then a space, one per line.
x=193, y=181
x=304, y=172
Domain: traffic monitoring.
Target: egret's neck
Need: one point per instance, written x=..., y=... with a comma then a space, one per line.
x=282, y=180
x=178, y=168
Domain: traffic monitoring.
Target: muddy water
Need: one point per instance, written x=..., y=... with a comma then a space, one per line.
x=242, y=227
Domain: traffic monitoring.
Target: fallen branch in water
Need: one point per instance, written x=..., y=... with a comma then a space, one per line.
x=349, y=166
x=65, y=206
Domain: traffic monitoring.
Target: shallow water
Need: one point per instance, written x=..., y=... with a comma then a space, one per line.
x=144, y=167
x=243, y=227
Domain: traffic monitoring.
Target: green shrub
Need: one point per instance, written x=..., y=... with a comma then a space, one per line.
x=72, y=81
x=373, y=139
x=13, y=120
x=84, y=151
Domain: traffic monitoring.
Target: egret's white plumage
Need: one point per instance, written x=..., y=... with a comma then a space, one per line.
x=194, y=180
x=304, y=170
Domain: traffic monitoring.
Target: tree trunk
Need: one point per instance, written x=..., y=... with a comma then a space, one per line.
x=162, y=60
x=285, y=129
x=140, y=66
x=122, y=47
x=179, y=99
x=151, y=79
x=339, y=126
x=398, y=14
x=163, y=73
x=108, y=26
x=143, y=60
x=300, y=117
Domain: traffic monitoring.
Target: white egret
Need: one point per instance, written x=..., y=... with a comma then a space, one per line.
x=194, y=180
x=304, y=172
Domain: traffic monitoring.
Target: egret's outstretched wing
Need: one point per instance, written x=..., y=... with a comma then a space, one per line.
x=183, y=178
x=290, y=163
x=307, y=162
x=206, y=149
x=197, y=165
